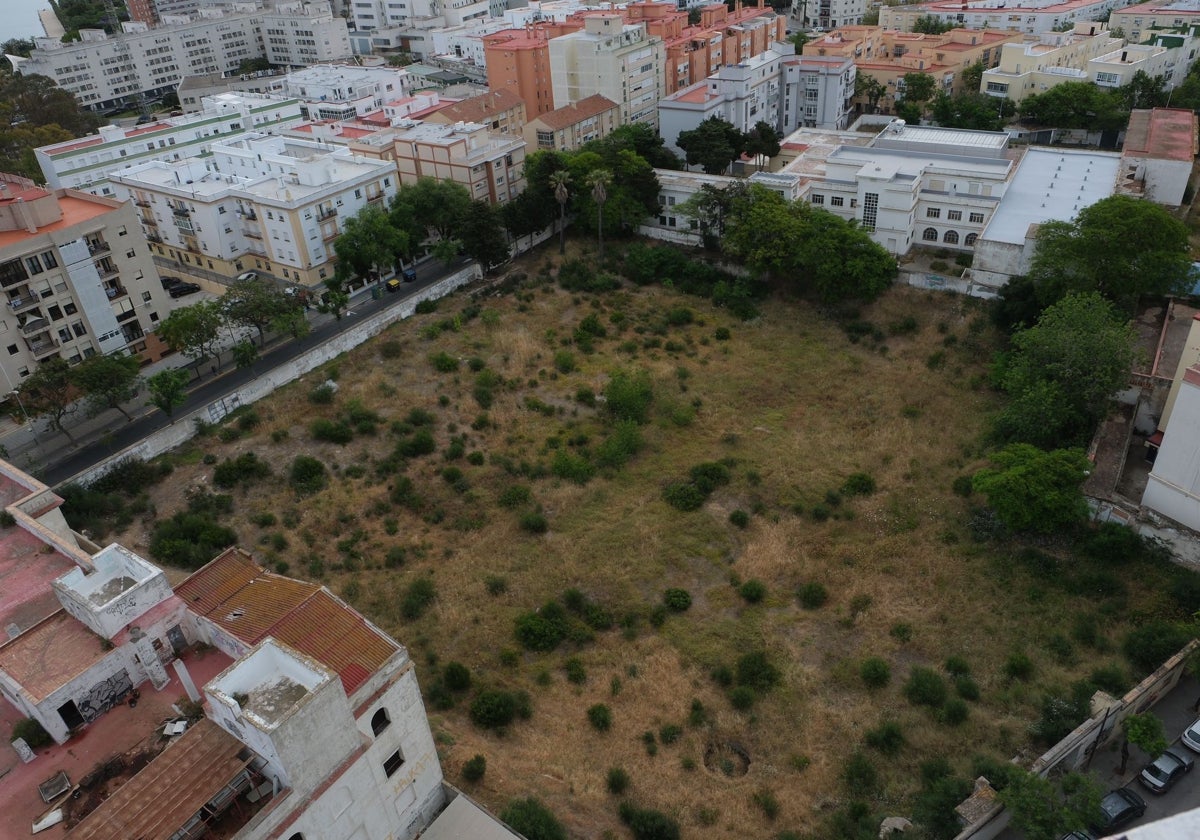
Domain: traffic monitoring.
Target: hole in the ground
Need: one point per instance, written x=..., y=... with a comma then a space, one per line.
x=727, y=757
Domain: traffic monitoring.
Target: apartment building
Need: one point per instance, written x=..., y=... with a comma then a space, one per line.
x=193, y=90
x=77, y=276
x=1032, y=18
x=818, y=92
x=85, y=163
x=1139, y=21
x=268, y=203
x=887, y=56
x=1160, y=149
x=1042, y=61
x=518, y=60
x=491, y=166
x=310, y=721
x=342, y=91
x=104, y=71
x=619, y=61
x=500, y=110
x=568, y=128
x=830, y=14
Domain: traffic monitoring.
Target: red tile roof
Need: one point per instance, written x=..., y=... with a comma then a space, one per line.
x=482, y=108
x=237, y=594
x=569, y=115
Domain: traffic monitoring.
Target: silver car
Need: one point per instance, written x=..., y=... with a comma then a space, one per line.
x=1191, y=737
x=1166, y=770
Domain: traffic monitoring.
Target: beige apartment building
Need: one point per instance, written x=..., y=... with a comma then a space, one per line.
x=491, y=166
x=619, y=61
x=1042, y=61
x=499, y=110
x=78, y=279
x=566, y=129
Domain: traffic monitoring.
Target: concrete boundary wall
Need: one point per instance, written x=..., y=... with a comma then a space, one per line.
x=184, y=427
x=1077, y=749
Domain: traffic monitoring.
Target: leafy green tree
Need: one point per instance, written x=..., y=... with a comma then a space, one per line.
x=245, y=354
x=194, y=330
x=1063, y=372
x=798, y=40
x=710, y=206
x=930, y=25
x=482, y=235
x=438, y=205
x=763, y=140
x=1075, y=105
x=38, y=100
x=918, y=89
x=253, y=65
x=335, y=299
x=447, y=250
x=168, y=390
x=529, y=817
x=869, y=90
x=369, y=242
x=972, y=109
x=972, y=77
x=525, y=215
x=1121, y=247
x=106, y=382
x=1032, y=490
x=714, y=144
x=599, y=180
x=1145, y=731
x=257, y=303
x=1143, y=91
x=50, y=392
x=1045, y=810
x=643, y=141
x=559, y=181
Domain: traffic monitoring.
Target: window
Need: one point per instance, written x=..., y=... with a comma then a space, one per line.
x=933, y=213
x=954, y=215
x=297, y=836
x=976, y=218
x=380, y=721
x=392, y=764
x=930, y=235
x=950, y=237
x=870, y=210
x=836, y=200
x=34, y=265
x=12, y=349
x=817, y=199
x=970, y=239
x=48, y=260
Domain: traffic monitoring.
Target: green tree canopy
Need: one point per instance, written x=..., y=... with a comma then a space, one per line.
x=972, y=109
x=193, y=330
x=1075, y=105
x=1121, y=247
x=530, y=818
x=714, y=144
x=762, y=139
x=482, y=235
x=1032, y=490
x=50, y=392
x=168, y=389
x=369, y=242
x=438, y=206
x=1045, y=810
x=106, y=382
x=918, y=88
x=869, y=89
x=257, y=303
x=930, y=25
x=1145, y=731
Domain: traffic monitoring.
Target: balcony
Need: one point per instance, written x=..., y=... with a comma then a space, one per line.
x=252, y=234
x=330, y=235
x=141, y=202
x=154, y=237
x=371, y=199
x=324, y=213
x=106, y=270
x=181, y=212
x=150, y=221
x=43, y=348
x=98, y=246
x=247, y=213
x=115, y=292
x=34, y=326
x=17, y=304
x=185, y=226
x=125, y=316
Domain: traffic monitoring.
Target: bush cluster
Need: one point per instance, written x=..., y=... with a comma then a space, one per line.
x=703, y=479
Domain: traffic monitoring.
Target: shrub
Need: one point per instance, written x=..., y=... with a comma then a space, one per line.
x=859, y=774
x=307, y=475
x=443, y=362
x=628, y=396
x=648, y=824
x=756, y=671
x=966, y=688
x=753, y=591
x=493, y=709
x=623, y=443
x=514, y=496
x=496, y=584
x=902, y=631
x=1018, y=666
x=456, y=676
x=742, y=697
x=859, y=484
x=617, y=781
x=683, y=495
x=677, y=600
x=956, y=666
x=243, y=469
x=417, y=598
x=925, y=687
x=531, y=818
x=33, y=733
x=1113, y=543
x=474, y=768
x=963, y=486
x=722, y=334
x=955, y=712
x=739, y=518
x=875, y=672
x=1110, y=678
x=600, y=717
x=419, y=443
x=1154, y=643
x=322, y=394
x=574, y=468
x=331, y=431
x=576, y=673
x=395, y=557
x=189, y=539
x=564, y=361
x=1061, y=713
x=886, y=738
x=534, y=522
x=766, y=800
x=709, y=476
x=542, y=631
x=670, y=733
x=812, y=595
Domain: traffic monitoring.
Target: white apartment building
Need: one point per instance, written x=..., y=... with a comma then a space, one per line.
x=268, y=203
x=1171, y=63
x=786, y=91
x=105, y=72
x=77, y=277
x=1138, y=22
x=1032, y=16
x=618, y=61
x=342, y=92
x=830, y=14
x=85, y=163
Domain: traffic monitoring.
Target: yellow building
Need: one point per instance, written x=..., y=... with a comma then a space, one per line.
x=1042, y=61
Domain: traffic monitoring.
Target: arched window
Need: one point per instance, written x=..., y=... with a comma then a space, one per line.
x=930, y=235
x=380, y=721
x=950, y=237
x=297, y=836
x=970, y=240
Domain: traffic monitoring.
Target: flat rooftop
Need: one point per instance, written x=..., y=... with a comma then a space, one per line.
x=1049, y=185
x=51, y=654
x=75, y=210
x=1183, y=7
x=1162, y=133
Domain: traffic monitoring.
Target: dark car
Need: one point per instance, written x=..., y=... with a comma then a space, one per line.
x=409, y=274
x=178, y=290
x=168, y=282
x=1078, y=835
x=1120, y=807
x=1162, y=774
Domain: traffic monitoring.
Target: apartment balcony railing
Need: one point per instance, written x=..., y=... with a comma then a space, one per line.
x=184, y=225
x=17, y=304
x=150, y=221
x=330, y=235
x=324, y=213
x=43, y=348
x=125, y=316
x=154, y=237
x=34, y=326
x=98, y=247
x=141, y=202
x=181, y=212
x=106, y=271
x=115, y=292
x=252, y=234
x=371, y=199
x=247, y=213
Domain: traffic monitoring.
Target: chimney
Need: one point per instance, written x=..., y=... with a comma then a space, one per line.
x=24, y=215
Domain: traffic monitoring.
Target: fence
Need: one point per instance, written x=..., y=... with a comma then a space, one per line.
x=184, y=427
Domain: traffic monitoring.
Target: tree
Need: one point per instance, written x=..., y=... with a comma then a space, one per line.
x=446, y=250
x=245, y=353
x=525, y=215
x=559, y=181
x=869, y=89
x=437, y=206
x=1075, y=105
x=335, y=298
x=1143, y=91
x=168, y=389
x=1063, y=371
x=714, y=144
x=194, y=330
x=798, y=40
x=253, y=65
x=643, y=141
x=257, y=303
x=50, y=392
x=482, y=235
x=1145, y=731
x=369, y=243
x=532, y=819
x=763, y=140
x=106, y=382
x=1035, y=491
x=38, y=100
x=972, y=109
x=710, y=206
x=930, y=25
x=918, y=89
x=599, y=180
x=1045, y=810
x=1121, y=247
x=972, y=77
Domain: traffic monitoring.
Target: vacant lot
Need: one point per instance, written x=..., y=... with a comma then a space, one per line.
x=792, y=407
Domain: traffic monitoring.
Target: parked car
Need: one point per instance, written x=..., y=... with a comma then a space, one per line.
x=393, y=285
x=1191, y=737
x=178, y=290
x=1162, y=774
x=409, y=274
x=1078, y=835
x=1120, y=807
x=247, y=275
x=168, y=282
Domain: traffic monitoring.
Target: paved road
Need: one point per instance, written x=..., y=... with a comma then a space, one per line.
x=115, y=433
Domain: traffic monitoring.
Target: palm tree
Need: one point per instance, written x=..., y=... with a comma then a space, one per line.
x=599, y=180
x=559, y=181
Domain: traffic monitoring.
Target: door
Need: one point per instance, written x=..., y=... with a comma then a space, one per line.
x=178, y=642
x=69, y=712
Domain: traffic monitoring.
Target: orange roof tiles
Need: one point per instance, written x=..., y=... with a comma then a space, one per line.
x=252, y=604
x=569, y=115
x=50, y=654
x=170, y=790
x=481, y=109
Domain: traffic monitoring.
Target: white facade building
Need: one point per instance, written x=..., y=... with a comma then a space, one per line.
x=618, y=61
x=268, y=203
x=84, y=163
x=1032, y=17
x=342, y=92
x=104, y=71
x=830, y=14
x=1173, y=488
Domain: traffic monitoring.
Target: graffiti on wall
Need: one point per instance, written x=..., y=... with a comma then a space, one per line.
x=104, y=695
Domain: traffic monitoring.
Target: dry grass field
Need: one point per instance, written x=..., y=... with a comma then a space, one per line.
x=794, y=407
